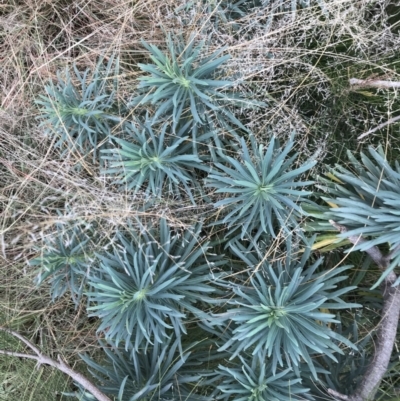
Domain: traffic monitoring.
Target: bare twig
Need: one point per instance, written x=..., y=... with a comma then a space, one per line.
x=380, y=84
x=387, y=327
x=374, y=83
x=18, y=354
x=380, y=126
x=23, y=339
x=338, y=395
x=60, y=365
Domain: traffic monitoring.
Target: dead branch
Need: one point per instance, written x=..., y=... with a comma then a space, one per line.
x=380, y=126
x=374, y=83
x=387, y=328
x=60, y=365
x=380, y=84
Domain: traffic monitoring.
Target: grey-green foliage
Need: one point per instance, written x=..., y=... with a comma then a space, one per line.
x=228, y=11
x=344, y=374
x=66, y=261
x=162, y=373
x=368, y=202
x=250, y=378
x=262, y=188
x=150, y=286
x=157, y=281
x=183, y=83
x=80, y=109
x=281, y=6
x=277, y=309
x=154, y=160
x=243, y=14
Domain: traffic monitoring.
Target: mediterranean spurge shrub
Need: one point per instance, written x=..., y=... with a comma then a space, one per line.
x=262, y=188
x=237, y=14
x=280, y=6
x=184, y=84
x=162, y=373
x=278, y=309
x=168, y=300
x=366, y=200
x=155, y=160
x=150, y=284
x=80, y=110
x=66, y=261
x=250, y=379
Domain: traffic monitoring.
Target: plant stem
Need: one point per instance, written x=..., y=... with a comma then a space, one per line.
x=387, y=329
x=60, y=365
x=380, y=126
x=374, y=83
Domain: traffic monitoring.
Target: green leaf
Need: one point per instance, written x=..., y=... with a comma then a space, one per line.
x=152, y=164
x=143, y=287
x=262, y=187
x=181, y=80
x=281, y=306
x=81, y=117
x=361, y=204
